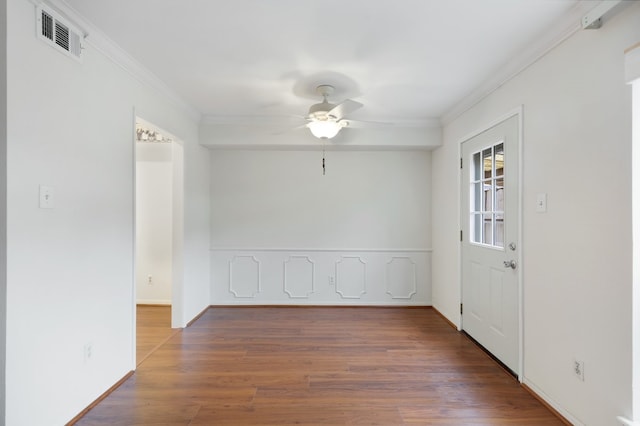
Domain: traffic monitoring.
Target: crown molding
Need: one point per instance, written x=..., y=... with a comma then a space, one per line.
x=102, y=43
x=563, y=28
x=267, y=120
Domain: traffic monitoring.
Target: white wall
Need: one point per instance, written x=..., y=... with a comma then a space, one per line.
x=636, y=246
x=70, y=269
x=268, y=207
x=577, y=256
x=154, y=223
x=3, y=201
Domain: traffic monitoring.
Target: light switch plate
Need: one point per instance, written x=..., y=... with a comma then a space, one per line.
x=541, y=202
x=46, y=197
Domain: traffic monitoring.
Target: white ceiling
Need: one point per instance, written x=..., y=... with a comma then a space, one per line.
x=405, y=60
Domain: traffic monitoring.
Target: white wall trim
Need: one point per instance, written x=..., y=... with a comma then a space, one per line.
x=117, y=55
x=304, y=302
x=318, y=147
x=321, y=278
x=231, y=276
x=493, y=123
x=554, y=36
x=414, y=278
x=285, y=288
x=311, y=249
x=262, y=120
x=564, y=413
x=339, y=265
x=153, y=302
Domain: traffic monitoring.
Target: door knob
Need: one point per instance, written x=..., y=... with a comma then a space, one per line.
x=510, y=264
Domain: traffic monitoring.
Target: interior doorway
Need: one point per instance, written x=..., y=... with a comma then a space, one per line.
x=158, y=231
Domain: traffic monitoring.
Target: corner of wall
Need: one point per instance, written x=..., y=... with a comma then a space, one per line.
x=3, y=203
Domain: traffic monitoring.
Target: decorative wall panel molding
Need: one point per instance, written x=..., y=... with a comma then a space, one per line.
x=401, y=278
x=351, y=277
x=244, y=276
x=319, y=276
x=298, y=277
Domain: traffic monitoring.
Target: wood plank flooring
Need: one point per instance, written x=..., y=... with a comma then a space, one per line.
x=153, y=328
x=319, y=366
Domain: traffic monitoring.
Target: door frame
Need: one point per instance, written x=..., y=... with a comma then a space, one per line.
x=177, y=270
x=519, y=112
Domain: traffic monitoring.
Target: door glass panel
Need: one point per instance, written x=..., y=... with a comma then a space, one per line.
x=498, y=237
x=498, y=155
x=487, y=162
x=487, y=234
x=499, y=195
x=487, y=205
x=486, y=201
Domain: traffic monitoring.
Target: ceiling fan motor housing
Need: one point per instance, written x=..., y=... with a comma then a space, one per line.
x=319, y=111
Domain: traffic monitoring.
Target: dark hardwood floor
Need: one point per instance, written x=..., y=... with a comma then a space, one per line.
x=319, y=366
x=153, y=328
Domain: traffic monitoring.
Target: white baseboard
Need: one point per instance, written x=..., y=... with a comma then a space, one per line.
x=153, y=302
x=568, y=416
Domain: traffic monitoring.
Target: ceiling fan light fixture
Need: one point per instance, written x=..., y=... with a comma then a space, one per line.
x=324, y=129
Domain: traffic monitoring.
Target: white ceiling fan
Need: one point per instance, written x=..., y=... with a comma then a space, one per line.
x=326, y=119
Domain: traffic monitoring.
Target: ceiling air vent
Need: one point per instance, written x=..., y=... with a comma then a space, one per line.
x=59, y=33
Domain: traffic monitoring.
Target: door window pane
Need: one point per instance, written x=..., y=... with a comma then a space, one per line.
x=486, y=200
x=487, y=204
x=498, y=236
x=498, y=156
x=486, y=234
x=487, y=162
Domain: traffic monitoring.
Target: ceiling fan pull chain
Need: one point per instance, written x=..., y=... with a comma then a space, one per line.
x=324, y=170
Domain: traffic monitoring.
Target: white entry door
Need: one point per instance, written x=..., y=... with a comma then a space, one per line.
x=490, y=222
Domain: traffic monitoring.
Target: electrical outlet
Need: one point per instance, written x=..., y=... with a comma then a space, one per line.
x=578, y=369
x=150, y=280
x=88, y=352
x=332, y=280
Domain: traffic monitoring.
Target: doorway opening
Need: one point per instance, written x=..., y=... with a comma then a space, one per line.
x=158, y=236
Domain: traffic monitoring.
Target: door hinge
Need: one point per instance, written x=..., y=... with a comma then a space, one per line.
x=461, y=309
x=460, y=162
x=461, y=235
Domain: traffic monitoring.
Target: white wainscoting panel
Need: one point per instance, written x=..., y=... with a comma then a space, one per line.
x=275, y=276
x=298, y=277
x=351, y=277
x=401, y=278
x=244, y=276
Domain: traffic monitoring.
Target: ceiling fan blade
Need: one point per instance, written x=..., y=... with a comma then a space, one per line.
x=341, y=110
